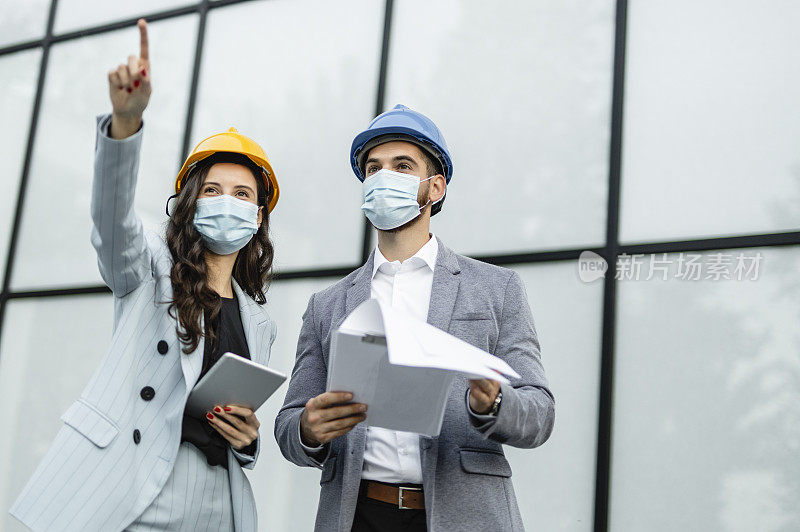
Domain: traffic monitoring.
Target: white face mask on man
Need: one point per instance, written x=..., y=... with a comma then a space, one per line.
x=226, y=223
x=390, y=198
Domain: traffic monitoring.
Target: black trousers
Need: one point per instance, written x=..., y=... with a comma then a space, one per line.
x=378, y=516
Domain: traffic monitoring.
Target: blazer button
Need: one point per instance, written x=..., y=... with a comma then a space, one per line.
x=147, y=393
x=137, y=436
x=162, y=347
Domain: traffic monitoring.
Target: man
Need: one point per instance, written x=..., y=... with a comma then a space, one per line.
x=377, y=479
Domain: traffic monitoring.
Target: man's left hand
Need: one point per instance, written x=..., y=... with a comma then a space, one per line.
x=482, y=393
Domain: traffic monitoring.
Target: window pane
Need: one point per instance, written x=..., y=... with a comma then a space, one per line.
x=286, y=493
x=23, y=21
x=522, y=95
x=302, y=92
x=56, y=224
x=17, y=92
x=705, y=401
x=78, y=14
x=711, y=120
x=554, y=483
x=50, y=349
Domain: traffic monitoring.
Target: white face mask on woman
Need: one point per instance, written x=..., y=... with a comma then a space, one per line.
x=390, y=198
x=226, y=223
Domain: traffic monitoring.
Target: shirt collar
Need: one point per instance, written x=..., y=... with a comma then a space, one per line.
x=426, y=253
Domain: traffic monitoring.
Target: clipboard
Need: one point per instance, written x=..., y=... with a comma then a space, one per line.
x=360, y=364
x=233, y=380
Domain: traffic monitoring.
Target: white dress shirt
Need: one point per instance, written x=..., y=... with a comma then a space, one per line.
x=393, y=456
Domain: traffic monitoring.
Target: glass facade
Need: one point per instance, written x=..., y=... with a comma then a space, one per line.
x=706, y=416
x=655, y=132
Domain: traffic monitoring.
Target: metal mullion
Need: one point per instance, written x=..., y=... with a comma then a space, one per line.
x=380, y=96
x=21, y=47
x=198, y=59
x=790, y=238
x=103, y=28
x=536, y=256
x=605, y=401
x=119, y=24
x=533, y=257
x=335, y=272
x=26, y=166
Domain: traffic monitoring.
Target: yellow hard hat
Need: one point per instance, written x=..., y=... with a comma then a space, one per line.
x=233, y=142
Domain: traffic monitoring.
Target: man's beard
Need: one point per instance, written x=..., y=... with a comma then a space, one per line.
x=425, y=199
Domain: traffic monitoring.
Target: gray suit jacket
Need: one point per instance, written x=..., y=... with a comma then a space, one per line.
x=465, y=473
x=95, y=476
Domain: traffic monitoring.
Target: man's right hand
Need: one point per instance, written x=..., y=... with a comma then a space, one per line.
x=129, y=88
x=325, y=417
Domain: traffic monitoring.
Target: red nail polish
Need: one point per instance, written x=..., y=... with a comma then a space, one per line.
x=136, y=83
x=210, y=415
x=144, y=72
x=227, y=409
x=129, y=89
x=120, y=87
x=216, y=409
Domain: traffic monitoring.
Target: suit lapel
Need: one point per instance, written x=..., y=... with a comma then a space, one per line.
x=255, y=323
x=359, y=291
x=444, y=290
x=192, y=364
x=361, y=286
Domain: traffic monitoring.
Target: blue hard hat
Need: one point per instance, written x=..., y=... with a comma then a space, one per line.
x=401, y=123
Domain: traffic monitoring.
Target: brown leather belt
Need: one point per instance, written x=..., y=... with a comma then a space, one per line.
x=405, y=498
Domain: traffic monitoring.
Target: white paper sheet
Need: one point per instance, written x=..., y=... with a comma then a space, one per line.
x=402, y=368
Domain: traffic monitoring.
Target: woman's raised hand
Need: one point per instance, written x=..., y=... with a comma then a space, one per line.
x=129, y=88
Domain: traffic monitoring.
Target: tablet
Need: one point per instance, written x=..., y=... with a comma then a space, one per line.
x=233, y=380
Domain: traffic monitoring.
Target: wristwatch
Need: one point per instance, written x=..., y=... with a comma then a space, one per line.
x=496, y=404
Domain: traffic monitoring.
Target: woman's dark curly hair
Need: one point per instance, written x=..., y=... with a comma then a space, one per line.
x=192, y=297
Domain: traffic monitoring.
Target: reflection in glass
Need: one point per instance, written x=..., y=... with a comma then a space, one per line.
x=555, y=482
x=522, y=95
x=55, y=223
x=303, y=92
x=18, y=72
x=49, y=350
x=711, y=120
x=707, y=383
x=23, y=21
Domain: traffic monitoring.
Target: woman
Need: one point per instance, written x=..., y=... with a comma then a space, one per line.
x=128, y=458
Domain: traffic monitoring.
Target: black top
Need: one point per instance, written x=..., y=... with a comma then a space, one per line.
x=229, y=338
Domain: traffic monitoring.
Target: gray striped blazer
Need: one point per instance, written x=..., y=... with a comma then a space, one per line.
x=118, y=445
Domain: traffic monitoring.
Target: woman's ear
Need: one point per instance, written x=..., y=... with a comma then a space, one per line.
x=260, y=215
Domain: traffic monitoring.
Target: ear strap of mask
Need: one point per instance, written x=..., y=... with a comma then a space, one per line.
x=168, y=200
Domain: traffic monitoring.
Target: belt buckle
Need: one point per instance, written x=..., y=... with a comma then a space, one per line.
x=400, y=497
